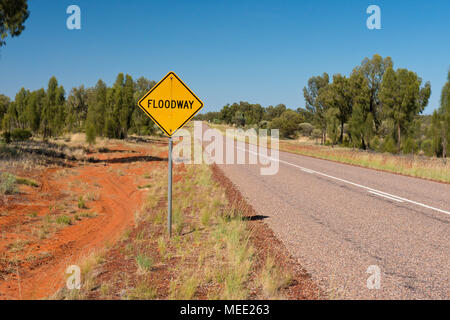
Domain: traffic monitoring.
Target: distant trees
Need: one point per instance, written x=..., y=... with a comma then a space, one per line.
x=378, y=103
x=274, y=112
x=239, y=114
x=97, y=111
x=375, y=107
x=25, y=112
x=245, y=114
x=288, y=123
x=13, y=14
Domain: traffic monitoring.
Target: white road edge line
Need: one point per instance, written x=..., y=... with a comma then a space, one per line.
x=346, y=181
x=382, y=195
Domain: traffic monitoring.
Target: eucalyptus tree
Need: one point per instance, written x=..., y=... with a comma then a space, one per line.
x=53, y=112
x=315, y=101
x=77, y=103
x=440, y=126
x=4, y=104
x=373, y=71
x=361, y=121
x=403, y=98
x=339, y=97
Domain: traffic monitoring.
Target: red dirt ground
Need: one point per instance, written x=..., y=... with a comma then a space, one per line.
x=37, y=268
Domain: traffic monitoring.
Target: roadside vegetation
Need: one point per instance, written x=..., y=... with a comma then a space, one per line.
x=411, y=165
x=209, y=256
x=415, y=166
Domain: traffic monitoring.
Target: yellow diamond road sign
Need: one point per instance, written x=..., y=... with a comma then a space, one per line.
x=170, y=103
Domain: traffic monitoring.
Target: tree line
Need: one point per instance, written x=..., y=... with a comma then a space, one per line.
x=376, y=108
x=99, y=111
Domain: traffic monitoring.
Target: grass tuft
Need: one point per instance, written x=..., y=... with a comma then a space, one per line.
x=272, y=279
x=143, y=291
x=145, y=263
x=27, y=182
x=8, y=183
x=81, y=203
x=63, y=220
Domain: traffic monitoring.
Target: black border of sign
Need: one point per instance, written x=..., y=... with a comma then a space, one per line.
x=152, y=89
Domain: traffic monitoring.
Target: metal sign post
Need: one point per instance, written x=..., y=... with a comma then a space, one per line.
x=170, y=104
x=169, y=191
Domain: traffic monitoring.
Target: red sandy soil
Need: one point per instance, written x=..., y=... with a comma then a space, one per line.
x=37, y=269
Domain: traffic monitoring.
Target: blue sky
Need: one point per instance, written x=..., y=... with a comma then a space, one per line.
x=226, y=51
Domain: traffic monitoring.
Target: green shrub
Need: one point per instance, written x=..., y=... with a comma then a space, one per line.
x=306, y=129
x=90, y=133
x=63, y=220
x=6, y=136
x=316, y=134
x=375, y=143
x=27, y=182
x=346, y=141
x=287, y=123
x=409, y=146
x=20, y=134
x=427, y=147
x=389, y=145
x=263, y=124
x=7, y=183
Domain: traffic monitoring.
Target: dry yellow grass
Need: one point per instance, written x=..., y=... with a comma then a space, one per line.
x=415, y=166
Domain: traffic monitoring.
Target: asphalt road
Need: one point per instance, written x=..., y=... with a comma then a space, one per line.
x=338, y=220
